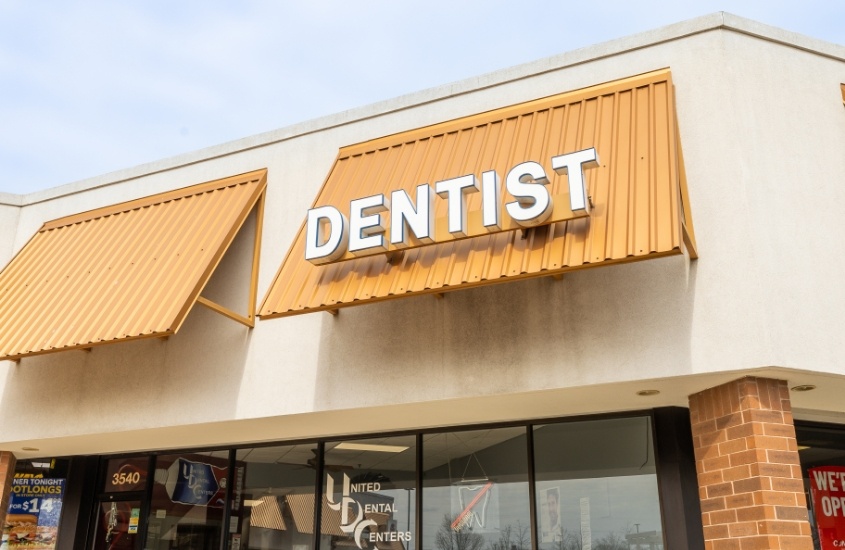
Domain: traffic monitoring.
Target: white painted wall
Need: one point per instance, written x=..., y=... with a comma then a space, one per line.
x=763, y=131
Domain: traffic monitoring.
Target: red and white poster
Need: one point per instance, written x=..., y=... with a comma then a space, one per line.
x=827, y=486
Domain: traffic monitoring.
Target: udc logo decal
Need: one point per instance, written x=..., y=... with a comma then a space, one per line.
x=369, y=501
x=348, y=506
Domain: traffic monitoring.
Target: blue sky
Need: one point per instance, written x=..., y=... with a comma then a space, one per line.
x=87, y=88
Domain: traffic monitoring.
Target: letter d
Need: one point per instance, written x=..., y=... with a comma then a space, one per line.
x=321, y=248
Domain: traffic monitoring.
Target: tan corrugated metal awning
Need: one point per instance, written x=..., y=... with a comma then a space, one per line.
x=638, y=195
x=132, y=270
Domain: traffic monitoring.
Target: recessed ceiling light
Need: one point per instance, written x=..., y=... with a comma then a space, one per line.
x=646, y=393
x=349, y=446
x=803, y=387
x=30, y=449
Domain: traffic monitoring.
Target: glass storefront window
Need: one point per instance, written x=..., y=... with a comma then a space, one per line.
x=596, y=485
x=369, y=490
x=475, y=490
x=276, y=509
x=188, y=500
x=821, y=449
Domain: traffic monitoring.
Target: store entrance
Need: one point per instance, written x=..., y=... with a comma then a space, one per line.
x=118, y=524
x=119, y=521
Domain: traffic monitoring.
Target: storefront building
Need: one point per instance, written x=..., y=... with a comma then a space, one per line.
x=591, y=302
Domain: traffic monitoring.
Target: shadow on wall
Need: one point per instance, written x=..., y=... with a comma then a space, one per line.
x=192, y=376
x=601, y=325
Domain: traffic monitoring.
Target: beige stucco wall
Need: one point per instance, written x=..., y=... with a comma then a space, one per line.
x=763, y=132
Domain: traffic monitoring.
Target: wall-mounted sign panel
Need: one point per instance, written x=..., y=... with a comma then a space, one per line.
x=635, y=207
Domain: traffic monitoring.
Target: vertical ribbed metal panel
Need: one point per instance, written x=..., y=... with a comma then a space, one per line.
x=635, y=193
x=125, y=271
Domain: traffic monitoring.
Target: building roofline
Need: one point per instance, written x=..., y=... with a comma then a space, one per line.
x=676, y=31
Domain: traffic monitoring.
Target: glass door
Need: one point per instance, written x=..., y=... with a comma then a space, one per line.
x=118, y=525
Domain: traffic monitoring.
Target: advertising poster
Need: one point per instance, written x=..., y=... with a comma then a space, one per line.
x=196, y=483
x=550, y=530
x=827, y=486
x=32, y=520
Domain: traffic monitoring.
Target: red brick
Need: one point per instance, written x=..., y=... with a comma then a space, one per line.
x=726, y=544
x=772, y=470
x=780, y=528
x=706, y=452
x=719, y=463
x=796, y=543
x=710, y=478
x=777, y=498
x=744, y=430
x=765, y=398
x=791, y=512
x=713, y=504
x=761, y=542
x=748, y=457
x=716, y=532
x=704, y=427
x=740, y=501
x=723, y=516
x=728, y=421
x=785, y=484
x=769, y=442
x=782, y=457
x=757, y=415
x=739, y=472
x=743, y=529
x=755, y=513
x=720, y=490
x=752, y=484
x=747, y=386
x=779, y=430
x=735, y=446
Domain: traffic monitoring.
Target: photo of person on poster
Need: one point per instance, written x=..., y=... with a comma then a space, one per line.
x=550, y=518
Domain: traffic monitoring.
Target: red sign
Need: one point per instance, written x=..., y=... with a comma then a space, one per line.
x=827, y=485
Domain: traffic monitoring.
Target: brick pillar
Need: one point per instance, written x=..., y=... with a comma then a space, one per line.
x=7, y=473
x=749, y=474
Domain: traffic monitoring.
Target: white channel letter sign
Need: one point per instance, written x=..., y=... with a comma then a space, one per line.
x=330, y=236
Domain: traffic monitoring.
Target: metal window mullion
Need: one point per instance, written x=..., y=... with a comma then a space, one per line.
x=532, y=493
x=318, y=494
x=227, y=507
x=419, y=496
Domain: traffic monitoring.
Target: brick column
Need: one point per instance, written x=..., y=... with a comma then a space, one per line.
x=749, y=474
x=7, y=473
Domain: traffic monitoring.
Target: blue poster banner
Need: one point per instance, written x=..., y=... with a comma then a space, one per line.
x=35, y=506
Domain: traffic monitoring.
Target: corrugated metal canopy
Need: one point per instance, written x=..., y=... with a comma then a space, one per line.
x=131, y=270
x=638, y=194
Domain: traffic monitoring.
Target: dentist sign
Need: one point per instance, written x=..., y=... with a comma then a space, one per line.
x=380, y=223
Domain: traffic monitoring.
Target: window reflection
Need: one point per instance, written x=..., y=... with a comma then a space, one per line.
x=475, y=490
x=369, y=494
x=188, y=499
x=596, y=485
x=277, y=507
